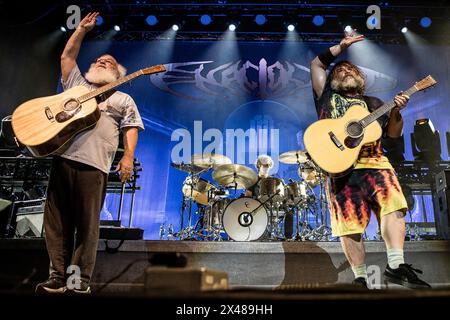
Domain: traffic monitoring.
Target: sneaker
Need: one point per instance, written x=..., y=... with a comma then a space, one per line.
x=52, y=285
x=83, y=289
x=360, y=282
x=405, y=275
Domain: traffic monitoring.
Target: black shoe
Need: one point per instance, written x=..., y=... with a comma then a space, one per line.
x=83, y=288
x=405, y=275
x=360, y=282
x=52, y=285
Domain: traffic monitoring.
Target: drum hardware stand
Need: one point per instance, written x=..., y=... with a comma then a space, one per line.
x=270, y=224
x=323, y=231
x=188, y=233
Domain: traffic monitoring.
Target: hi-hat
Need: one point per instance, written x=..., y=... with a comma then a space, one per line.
x=235, y=176
x=209, y=160
x=294, y=157
x=186, y=167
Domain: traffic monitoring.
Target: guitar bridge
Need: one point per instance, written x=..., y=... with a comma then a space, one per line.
x=336, y=141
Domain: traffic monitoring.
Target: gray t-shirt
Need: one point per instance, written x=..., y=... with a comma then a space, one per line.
x=97, y=147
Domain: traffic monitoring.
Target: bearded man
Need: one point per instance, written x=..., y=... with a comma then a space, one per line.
x=78, y=179
x=373, y=184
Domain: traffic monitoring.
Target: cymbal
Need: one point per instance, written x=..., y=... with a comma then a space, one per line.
x=206, y=160
x=228, y=175
x=294, y=157
x=186, y=167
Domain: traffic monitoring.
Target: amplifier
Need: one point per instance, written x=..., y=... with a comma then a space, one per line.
x=185, y=279
x=441, y=202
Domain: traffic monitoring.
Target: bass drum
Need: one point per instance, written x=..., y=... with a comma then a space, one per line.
x=245, y=219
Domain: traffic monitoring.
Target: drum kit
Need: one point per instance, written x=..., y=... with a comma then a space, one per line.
x=226, y=212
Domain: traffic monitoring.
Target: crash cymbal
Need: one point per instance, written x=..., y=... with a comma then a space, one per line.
x=186, y=167
x=206, y=160
x=294, y=157
x=235, y=175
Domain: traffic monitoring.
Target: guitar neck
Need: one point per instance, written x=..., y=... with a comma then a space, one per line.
x=385, y=108
x=110, y=86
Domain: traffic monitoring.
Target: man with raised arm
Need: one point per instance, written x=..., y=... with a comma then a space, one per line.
x=372, y=185
x=78, y=179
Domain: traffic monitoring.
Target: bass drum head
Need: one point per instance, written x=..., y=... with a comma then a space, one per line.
x=241, y=224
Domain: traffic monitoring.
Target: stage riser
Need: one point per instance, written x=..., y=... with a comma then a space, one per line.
x=247, y=264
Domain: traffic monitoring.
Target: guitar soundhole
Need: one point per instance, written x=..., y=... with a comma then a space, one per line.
x=355, y=129
x=71, y=105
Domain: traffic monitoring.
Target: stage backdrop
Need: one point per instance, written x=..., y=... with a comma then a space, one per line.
x=243, y=99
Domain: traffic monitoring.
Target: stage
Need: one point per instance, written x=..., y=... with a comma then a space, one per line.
x=249, y=265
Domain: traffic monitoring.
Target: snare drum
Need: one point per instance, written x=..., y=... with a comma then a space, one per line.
x=269, y=187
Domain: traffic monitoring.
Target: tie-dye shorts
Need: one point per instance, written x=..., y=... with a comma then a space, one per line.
x=353, y=197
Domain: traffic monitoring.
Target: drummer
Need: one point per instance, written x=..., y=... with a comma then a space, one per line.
x=263, y=164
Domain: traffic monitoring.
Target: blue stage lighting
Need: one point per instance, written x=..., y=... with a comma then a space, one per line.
x=318, y=20
x=99, y=21
x=175, y=27
x=425, y=22
x=291, y=27
x=232, y=27
x=205, y=19
x=117, y=28
x=151, y=20
x=62, y=29
x=260, y=19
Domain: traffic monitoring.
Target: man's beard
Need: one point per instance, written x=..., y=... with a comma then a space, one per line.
x=101, y=76
x=349, y=84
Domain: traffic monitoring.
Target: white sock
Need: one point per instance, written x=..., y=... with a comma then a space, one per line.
x=360, y=271
x=395, y=258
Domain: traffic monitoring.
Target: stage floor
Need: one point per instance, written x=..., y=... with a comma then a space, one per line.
x=248, y=264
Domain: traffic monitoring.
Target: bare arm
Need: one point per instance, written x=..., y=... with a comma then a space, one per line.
x=72, y=48
x=130, y=138
x=395, y=125
x=318, y=68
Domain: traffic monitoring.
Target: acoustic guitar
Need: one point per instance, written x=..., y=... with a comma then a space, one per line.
x=46, y=124
x=334, y=144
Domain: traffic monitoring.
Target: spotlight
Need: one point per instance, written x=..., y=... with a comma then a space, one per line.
x=425, y=22
x=99, y=21
x=404, y=30
x=175, y=27
x=260, y=19
x=151, y=20
x=62, y=29
x=348, y=29
x=318, y=20
x=205, y=19
x=425, y=141
x=117, y=28
x=232, y=27
x=291, y=27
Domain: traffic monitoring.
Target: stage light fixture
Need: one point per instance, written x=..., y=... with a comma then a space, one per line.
x=175, y=27
x=348, y=29
x=260, y=19
x=425, y=22
x=99, y=21
x=151, y=20
x=318, y=20
x=291, y=27
x=425, y=141
x=232, y=27
x=62, y=29
x=116, y=28
x=205, y=19
x=404, y=30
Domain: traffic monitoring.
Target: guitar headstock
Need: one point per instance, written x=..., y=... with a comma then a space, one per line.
x=425, y=83
x=155, y=69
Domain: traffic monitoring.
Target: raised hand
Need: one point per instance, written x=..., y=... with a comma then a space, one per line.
x=88, y=22
x=351, y=39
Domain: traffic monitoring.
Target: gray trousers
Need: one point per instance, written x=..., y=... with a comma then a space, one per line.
x=75, y=196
